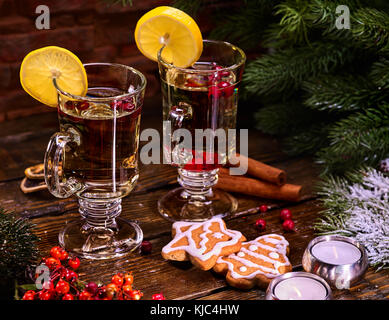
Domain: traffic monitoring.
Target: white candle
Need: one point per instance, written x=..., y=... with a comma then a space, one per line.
x=300, y=288
x=336, y=252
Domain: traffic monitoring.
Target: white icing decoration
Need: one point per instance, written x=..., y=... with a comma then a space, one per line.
x=198, y=250
x=242, y=269
x=273, y=253
x=218, y=235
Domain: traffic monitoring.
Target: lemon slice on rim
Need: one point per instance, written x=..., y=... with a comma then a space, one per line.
x=39, y=68
x=173, y=28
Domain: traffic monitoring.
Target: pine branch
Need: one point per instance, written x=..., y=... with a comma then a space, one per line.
x=371, y=27
x=293, y=24
x=342, y=93
x=360, y=139
x=309, y=141
x=17, y=245
x=272, y=118
x=380, y=73
x=285, y=70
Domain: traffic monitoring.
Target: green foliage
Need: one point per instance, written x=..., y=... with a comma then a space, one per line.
x=17, y=245
x=284, y=70
x=358, y=140
x=341, y=74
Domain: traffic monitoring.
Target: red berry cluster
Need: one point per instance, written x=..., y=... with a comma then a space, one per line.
x=64, y=283
x=285, y=215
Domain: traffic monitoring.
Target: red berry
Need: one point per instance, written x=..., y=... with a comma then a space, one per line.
x=136, y=294
x=226, y=88
x=214, y=91
x=128, y=278
x=29, y=295
x=158, y=296
x=82, y=105
x=116, y=104
x=128, y=106
x=74, y=263
x=69, y=105
x=288, y=225
x=260, y=224
x=52, y=263
x=146, y=247
x=127, y=288
x=62, y=287
x=55, y=252
x=111, y=289
x=64, y=255
x=286, y=214
x=70, y=275
x=91, y=287
x=263, y=208
x=68, y=296
x=85, y=295
x=117, y=279
x=45, y=295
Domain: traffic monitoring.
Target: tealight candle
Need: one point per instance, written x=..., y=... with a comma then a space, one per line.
x=336, y=252
x=341, y=261
x=298, y=286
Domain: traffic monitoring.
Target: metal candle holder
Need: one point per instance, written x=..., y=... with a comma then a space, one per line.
x=270, y=292
x=340, y=276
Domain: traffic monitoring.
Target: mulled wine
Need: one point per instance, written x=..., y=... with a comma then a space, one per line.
x=103, y=157
x=201, y=100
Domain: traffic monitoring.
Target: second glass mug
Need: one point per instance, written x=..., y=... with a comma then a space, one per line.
x=205, y=97
x=95, y=157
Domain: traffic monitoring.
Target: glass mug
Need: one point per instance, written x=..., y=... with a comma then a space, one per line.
x=95, y=157
x=205, y=97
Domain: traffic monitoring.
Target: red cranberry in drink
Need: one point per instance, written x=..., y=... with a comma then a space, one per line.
x=116, y=104
x=214, y=91
x=69, y=105
x=81, y=106
x=127, y=105
x=226, y=88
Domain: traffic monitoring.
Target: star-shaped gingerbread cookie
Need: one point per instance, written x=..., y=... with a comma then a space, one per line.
x=202, y=242
x=257, y=262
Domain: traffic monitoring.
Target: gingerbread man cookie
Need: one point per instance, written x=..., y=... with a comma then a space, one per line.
x=202, y=242
x=256, y=263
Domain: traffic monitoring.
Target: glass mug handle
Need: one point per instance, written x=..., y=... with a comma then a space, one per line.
x=54, y=162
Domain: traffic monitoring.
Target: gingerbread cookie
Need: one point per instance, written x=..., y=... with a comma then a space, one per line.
x=202, y=242
x=256, y=263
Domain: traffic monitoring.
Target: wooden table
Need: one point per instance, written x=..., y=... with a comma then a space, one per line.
x=23, y=142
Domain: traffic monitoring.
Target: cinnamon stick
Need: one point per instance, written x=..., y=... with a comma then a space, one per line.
x=254, y=187
x=261, y=170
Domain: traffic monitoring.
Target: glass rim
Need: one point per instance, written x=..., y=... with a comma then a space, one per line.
x=187, y=70
x=99, y=99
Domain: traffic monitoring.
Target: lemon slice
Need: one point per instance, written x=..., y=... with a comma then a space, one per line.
x=173, y=28
x=39, y=68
